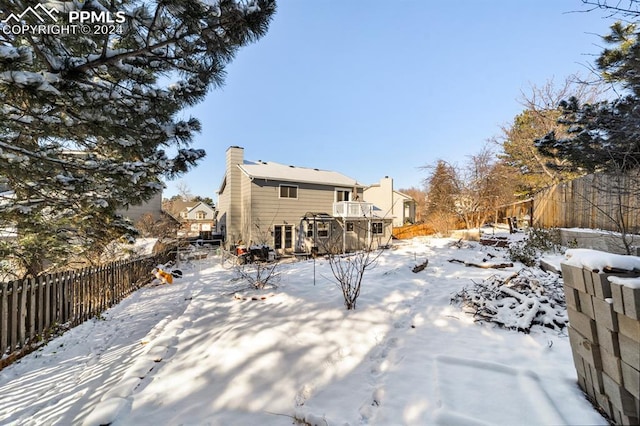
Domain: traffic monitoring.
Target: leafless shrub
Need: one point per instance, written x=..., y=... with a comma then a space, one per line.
x=349, y=269
x=259, y=275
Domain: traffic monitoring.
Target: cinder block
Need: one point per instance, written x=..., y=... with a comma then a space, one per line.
x=584, y=324
x=629, y=350
x=601, y=285
x=595, y=378
x=620, y=419
x=611, y=365
x=572, y=276
x=589, y=351
x=589, y=387
x=578, y=362
x=616, y=295
x=582, y=382
x=571, y=298
x=620, y=398
x=629, y=327
x=586, y=304
x=587, y=277
x=630, y=379
x=603, y=402
x=608, y=339
x=631, y=300
x=604, y=314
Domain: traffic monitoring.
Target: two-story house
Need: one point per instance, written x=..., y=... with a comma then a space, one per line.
x=295, y=209
x=196, y=218
x=401, y=207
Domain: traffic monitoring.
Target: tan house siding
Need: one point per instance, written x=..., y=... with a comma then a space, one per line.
x=251, y=209
x=153, y=207
x=392, y=204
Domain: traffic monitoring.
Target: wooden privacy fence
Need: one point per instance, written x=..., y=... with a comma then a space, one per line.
x=32, y=308
x=595, y=201
x=410, y=231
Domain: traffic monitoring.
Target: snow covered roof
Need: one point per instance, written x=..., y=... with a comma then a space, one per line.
x=276, y=171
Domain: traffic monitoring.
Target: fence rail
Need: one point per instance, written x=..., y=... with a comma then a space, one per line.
x=32, y=308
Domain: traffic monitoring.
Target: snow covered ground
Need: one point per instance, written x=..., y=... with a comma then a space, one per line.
x=192, y=354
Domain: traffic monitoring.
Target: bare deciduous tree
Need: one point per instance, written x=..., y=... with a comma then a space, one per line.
x=348, y=269
x=484, y=184
x=468, y=194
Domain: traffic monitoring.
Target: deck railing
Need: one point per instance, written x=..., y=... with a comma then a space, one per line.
x=352, y=209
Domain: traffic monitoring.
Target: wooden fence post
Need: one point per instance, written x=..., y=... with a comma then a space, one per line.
x=22, y=312
x=4, y=317
x=31, y=309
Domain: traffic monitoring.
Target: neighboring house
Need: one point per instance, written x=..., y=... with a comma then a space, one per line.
x=152, y=207
x=396, y=205
x=196, y=218
x=295, y=209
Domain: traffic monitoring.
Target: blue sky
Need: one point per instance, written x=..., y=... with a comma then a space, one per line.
x=373, y=88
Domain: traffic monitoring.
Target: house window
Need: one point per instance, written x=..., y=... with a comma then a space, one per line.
x=288, y=191
x=323, y=229
x=183, y=214
x=376, y=228
x=342, y=195
x=200, y=214
x=195, y=227
x=350, y=227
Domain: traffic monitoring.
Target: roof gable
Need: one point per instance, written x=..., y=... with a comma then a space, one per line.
x=200, y=204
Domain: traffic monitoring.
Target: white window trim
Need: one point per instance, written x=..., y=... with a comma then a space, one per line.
x=289, y=186
x=337, y=189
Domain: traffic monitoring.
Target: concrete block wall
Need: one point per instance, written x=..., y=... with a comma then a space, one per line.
x=604, y=331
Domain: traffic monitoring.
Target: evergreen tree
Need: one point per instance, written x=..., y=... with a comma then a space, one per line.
x=603, y=136
x=442, y=192
x=88, y=120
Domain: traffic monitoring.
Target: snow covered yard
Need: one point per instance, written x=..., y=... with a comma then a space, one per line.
x=190, y=353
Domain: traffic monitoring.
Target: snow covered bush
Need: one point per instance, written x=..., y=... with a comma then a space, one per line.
x=537, y=241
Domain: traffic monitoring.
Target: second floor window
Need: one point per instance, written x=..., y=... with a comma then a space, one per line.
x=288, y=191
x=201, y=215
x=342, y=195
